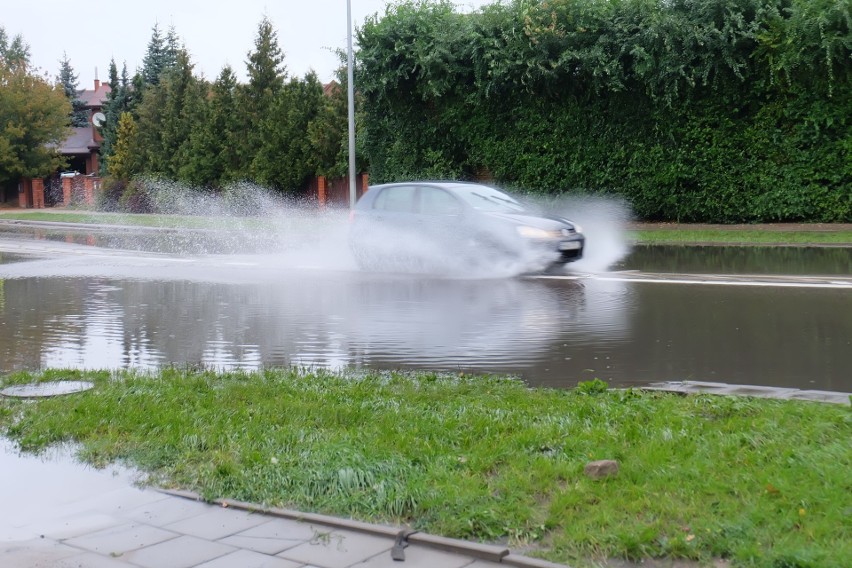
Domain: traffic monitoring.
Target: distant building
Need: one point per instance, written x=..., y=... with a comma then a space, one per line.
x=330, y=88
x=83, y=146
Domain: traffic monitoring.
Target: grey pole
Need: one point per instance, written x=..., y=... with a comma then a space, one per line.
x=351, y=93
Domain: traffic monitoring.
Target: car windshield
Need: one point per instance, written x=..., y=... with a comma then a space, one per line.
x=486, y=198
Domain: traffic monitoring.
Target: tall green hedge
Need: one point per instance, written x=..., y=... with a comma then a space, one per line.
x=693, y=110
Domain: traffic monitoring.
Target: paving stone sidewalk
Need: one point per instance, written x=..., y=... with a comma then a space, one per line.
x=131, y=527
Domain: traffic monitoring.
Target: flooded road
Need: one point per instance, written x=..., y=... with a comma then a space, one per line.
x=661, y=314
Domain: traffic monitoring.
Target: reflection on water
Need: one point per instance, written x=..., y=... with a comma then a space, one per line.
x=787, y=337
x=551, y=332
x=322, y=320
x=739, y=260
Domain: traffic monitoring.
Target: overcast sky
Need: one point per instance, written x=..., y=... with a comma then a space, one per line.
x=215, y=32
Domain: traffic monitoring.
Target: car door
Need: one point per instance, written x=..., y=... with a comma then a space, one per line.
x=394, y=211
x=441, y=216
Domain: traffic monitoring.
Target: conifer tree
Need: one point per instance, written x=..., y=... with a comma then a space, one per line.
x=68, y=79
x=123, y=162
x=171, y=47
x=214, y=158
x=15, y=54
x=286, y=159
x=328, y=132
x=266, y=73
x=119, y=100
x=157, y=57
x=109, y=128
x=226, y=124
x=168, y=114
x=186, y=111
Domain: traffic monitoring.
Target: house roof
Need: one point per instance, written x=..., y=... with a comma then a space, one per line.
x=95, y=98
x=329, y=88
x=79, y=142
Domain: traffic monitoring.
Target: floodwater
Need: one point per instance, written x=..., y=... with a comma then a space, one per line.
x=659, y=314
x=796, y=261
x=34, y=500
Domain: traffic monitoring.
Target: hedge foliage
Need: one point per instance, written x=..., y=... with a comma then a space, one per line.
x=693, y=110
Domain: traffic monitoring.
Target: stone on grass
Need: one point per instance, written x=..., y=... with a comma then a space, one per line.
x=601, y=469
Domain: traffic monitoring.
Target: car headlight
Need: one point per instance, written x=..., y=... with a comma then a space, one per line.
x=577, y=227
x=534, y=232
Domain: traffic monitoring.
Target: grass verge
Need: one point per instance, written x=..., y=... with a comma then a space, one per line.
x=681, y=235
x=138, y=220
x=741, y=237
x=761, y=482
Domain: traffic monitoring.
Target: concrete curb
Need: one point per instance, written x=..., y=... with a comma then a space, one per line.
x=778, y=393
x=492, y=553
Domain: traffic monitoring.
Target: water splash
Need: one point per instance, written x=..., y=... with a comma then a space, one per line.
x=283, y=233
x=604, y=221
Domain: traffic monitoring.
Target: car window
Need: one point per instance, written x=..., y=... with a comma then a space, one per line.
x=486, y=198
x=435, y=201
x=397, y=198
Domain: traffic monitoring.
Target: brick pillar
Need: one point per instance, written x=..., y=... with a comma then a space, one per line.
x=322, y=192
x=38, y=193
x=25, y=193
x=89, y=190
x=66, y=191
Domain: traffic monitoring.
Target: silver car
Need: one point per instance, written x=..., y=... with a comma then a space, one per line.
x=426, y=225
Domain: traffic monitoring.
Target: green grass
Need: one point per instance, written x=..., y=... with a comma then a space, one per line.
x=741, y=236
x=136, y=220
x=681, y=235
x=761, y=482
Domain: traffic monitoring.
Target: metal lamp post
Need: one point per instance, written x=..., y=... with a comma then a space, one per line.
x=351, y=95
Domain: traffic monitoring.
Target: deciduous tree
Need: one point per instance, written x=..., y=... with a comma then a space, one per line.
x=33, y=116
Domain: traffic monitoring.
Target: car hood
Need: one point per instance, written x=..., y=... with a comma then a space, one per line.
x=547, y=223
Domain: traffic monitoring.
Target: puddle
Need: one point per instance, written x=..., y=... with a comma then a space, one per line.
x=684, y=259
x=39, y=490
x=82, y=306
x=550, y=332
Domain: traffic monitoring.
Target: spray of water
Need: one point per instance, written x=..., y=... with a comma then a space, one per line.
x=475, y=246
x=249, y=219
x=604, y=222
x=253, y=226
x=300, y=234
